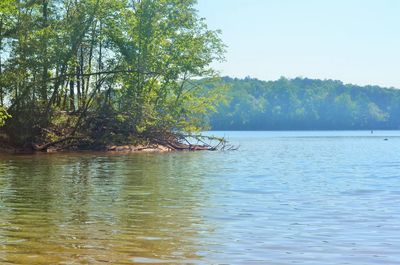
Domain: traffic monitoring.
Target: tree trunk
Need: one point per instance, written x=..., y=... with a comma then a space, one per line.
x=78, y=86
x=43, y=92
x=71, y=95
x=81, y=72
x=1, y=80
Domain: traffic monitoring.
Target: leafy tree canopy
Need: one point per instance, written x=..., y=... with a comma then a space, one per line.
x=104, y=70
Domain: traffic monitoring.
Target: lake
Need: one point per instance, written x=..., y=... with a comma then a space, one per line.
x=282, y=198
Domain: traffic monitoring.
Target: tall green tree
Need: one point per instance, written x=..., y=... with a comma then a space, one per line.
x=99, y=69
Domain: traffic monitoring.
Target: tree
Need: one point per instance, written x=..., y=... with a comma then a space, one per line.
x=104, y=71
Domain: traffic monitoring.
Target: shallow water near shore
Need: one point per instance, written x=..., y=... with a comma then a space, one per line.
x=283, y=198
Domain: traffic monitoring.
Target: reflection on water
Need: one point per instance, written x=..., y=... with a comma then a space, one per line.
x=98, y=209
x=284, y=198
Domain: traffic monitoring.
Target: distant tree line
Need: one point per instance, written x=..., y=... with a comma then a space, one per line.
x=305, y=104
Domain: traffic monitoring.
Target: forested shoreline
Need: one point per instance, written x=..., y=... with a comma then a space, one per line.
x=305, y=104
x=92, y=73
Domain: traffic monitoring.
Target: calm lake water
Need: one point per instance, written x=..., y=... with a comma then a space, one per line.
x=283, y=198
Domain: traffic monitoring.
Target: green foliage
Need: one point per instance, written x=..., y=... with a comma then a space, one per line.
x=298, y=104
x=3, y=116
x=126, y=66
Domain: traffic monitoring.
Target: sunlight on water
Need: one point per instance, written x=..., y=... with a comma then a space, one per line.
x=283, y=198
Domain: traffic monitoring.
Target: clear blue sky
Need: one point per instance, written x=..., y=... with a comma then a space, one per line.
x=356, y=41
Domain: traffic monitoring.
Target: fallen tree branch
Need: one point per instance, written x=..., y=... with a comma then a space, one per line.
x=47, y=145
x=179, y=141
